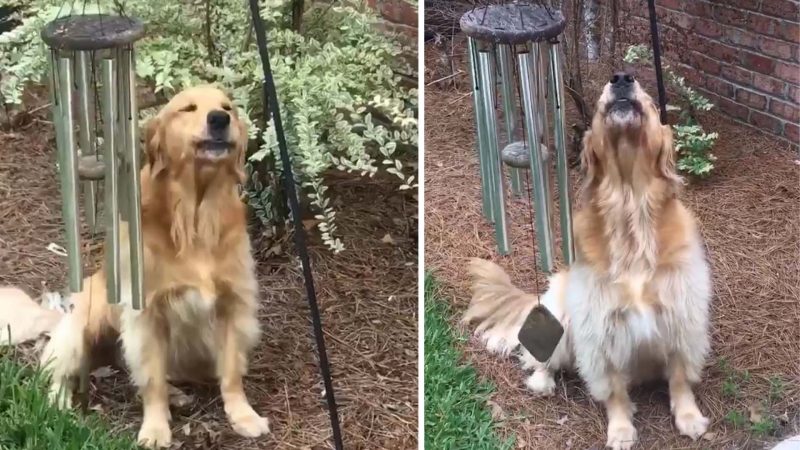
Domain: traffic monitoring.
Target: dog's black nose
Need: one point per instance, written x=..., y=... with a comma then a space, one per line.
x=622, y=79
x=218, y=120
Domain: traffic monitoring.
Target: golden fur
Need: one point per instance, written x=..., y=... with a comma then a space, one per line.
x=635, y=303
x=200, y=288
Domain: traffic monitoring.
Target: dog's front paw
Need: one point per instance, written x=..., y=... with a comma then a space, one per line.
x=60, y=395
x=621, y=435
x=249, y=423
x=691, y=423
x=155, y=434
x=541, y=383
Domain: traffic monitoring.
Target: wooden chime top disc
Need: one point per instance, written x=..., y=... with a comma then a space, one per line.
x=92, y=32
x=512, y=23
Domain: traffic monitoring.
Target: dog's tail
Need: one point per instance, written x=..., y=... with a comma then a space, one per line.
x=498, y=305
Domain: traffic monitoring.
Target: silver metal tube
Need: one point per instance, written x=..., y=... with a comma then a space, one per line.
x=562, y=169
x=497, y=186
x=130, y=119
x=68, y=170
x=527, y=84
x=123, y=164
x=111, y=181
x=86, y=132
x=477, y=105
x=509, y=107
x=538, y=49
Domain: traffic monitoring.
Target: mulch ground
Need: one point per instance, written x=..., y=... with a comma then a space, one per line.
x=367, y=295
x=749, y=215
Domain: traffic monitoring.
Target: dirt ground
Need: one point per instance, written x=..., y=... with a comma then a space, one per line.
x=367, y=294
x=749, y=215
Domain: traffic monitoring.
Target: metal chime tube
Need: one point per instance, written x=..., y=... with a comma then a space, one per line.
x=562, y=170
x=509, y=106
x=496, y=179
x=542, y=66
x=111, y=182
x=545, y=157
x=131, y=145
x=530, y=108
x=479, y=126
x=86, y=132
x=68, y=167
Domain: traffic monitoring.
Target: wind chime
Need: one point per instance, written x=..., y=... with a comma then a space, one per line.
x=93, y=96
x=100, y=109
x=514, y=52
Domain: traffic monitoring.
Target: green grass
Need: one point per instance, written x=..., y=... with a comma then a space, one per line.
x=29, y=422
x=456, y=414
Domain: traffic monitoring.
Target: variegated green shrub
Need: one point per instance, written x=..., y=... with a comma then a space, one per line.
x=338, y=80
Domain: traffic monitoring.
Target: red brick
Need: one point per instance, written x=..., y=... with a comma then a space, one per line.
x=698, y=8
x=785, y=9
x=722, y=52
x=730, y=16
x=762, y=24
x=751, y=99
x=778, y=49
x=692, y=75
x=708, y=28
x=721, y=87
x=758, y=63
x=730, y=107
x=794, y=94
x=789, y=31
x=737, y=75
x=399, y=11
x=671, y=4
x=745, y=4
x=788, y=72
x=704, y=63
x=768, y=84
x=740, y=38
x=675, y=19
x=765, y=122
x=792, y=132
x=788, y=111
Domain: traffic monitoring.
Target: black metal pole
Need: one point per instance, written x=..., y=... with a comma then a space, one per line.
x=662, y=94
x=271, y=98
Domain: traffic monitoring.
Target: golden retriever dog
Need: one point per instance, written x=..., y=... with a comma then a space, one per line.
x=199, y=277
x=634, y=305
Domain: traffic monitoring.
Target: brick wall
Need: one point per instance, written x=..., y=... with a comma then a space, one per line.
x=743, y=54
x=398, y=16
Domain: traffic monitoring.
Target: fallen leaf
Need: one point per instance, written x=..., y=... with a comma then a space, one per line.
x=497, y=411
x=797, y=162
x=388, y=239
x=187, y=429
x=521, y=443
x=569, y=443
x=756, y=412
x=709, y=436
x=562, y=420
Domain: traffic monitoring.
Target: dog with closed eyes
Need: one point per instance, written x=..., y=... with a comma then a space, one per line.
x=635, y=303
x=200, y=291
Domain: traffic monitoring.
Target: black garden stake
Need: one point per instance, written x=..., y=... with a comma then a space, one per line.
x=271, y=99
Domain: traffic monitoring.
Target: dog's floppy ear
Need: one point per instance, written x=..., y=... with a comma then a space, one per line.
x=152, y=146
x=665, y=163
x=589, y=158
x=242, y=148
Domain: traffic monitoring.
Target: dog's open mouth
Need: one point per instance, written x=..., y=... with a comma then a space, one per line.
x=213, y=149
x=624, y=105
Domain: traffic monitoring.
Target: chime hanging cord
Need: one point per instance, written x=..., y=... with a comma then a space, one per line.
x=271, y=98
x=662, y=94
